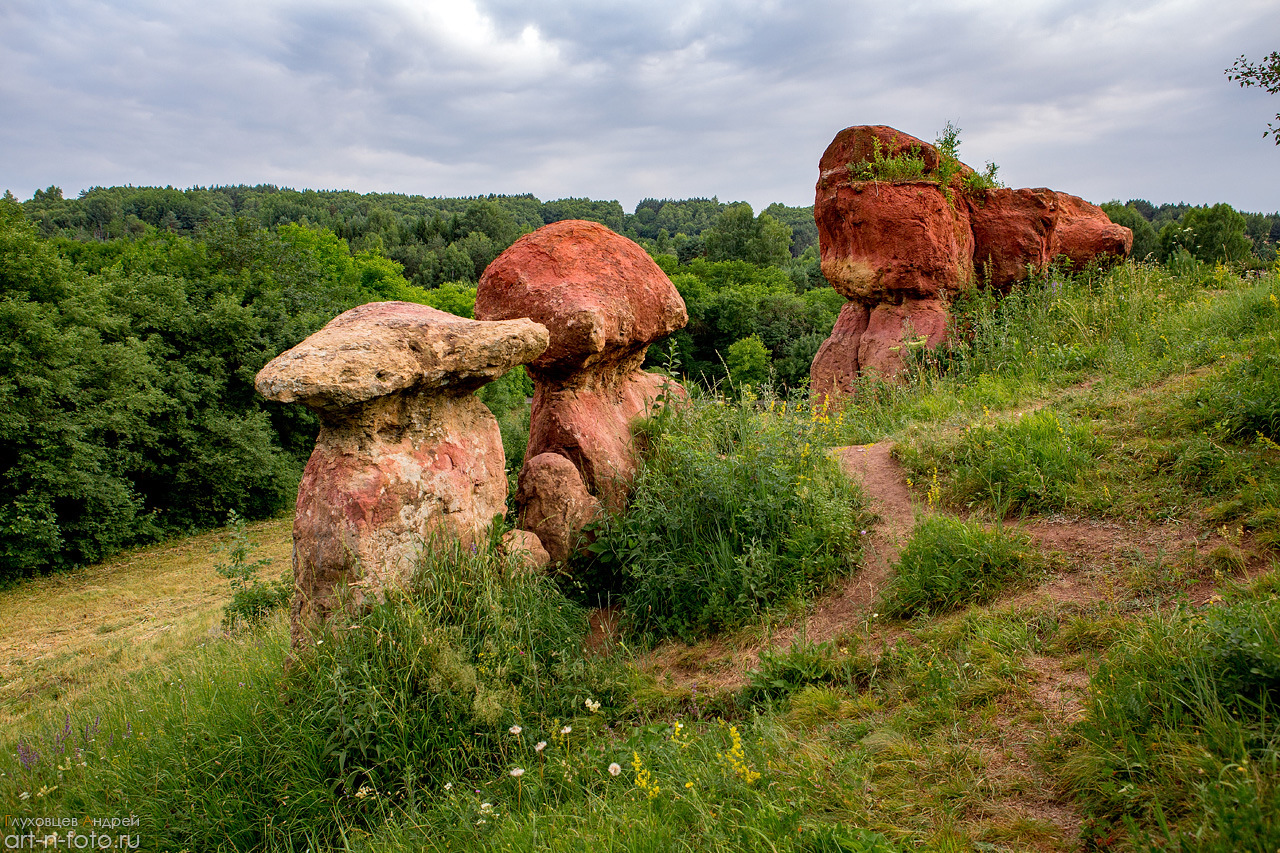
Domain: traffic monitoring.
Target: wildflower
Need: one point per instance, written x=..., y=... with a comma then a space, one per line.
x=688, y=784
x=365, y=792
x=593, y=706
x=448, y=786
x=539, y=746
x=486, y=808
x=26, y=795
x=517, y=772
x=615, y=768
x=515, y=730
x=566, y=730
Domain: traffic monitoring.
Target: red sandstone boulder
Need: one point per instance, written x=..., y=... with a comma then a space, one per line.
x=892, y=329
x=599, y=294
x=1011, y=231
x=1084, y=233
x=589, y=422
x=858, y=144
x=873, y=341
x=405, y=453
x=1019, y=230
x=555, y=504
x=604, y=300
x=525, y=546
x=898, y=248
x=835, y=368
x=883, y=241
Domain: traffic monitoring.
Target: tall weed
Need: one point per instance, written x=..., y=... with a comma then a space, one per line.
x=949, y=563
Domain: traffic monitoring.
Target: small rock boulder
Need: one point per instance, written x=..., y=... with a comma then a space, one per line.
x=405, y=452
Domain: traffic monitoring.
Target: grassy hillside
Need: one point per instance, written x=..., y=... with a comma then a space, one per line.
x=1046, y=618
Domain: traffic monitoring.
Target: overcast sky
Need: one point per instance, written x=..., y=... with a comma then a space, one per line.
x=626, y=100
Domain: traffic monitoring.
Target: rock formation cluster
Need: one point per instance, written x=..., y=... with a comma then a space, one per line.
x=898, y=250
x=405, y=453
x=603, y=300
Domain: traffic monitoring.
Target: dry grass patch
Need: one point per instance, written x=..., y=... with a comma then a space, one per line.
x=70, y=636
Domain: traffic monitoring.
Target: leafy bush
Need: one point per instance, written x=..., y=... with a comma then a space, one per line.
x=734, y=511
x=949, y=563
x=1180, y=738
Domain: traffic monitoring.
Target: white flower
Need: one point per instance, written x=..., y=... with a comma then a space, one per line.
x=592, y=705
x=566, y=730
x=486, y=808
x=25, y=795
x=448, y=786
x=365, y=791
x=615, y=769
x=515, y=730
x=539, y=746
x=517, y=772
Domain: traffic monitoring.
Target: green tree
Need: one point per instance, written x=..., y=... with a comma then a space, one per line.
x=739, y=235
x=1266, y=76
x=1145, y=239
x=748, y=361
x=1209, y=234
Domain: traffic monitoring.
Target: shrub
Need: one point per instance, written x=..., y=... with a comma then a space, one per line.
x=735, y=510
x=949, y=563
x=804, y=664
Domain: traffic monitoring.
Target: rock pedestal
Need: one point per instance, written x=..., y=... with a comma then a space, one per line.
x=603, y=300
x=405, y=452
x=899, y=250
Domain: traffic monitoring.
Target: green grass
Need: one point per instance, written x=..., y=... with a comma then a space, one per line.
x=949, y=563
x=1180, y=741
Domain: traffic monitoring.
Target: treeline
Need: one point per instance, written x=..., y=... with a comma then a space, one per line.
x=1210, y=234
x=436, y=239
x=135, y=320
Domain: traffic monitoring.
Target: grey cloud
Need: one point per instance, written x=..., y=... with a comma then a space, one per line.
x=726, y=97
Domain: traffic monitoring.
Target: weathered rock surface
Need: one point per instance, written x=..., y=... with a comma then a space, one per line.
x=885, y=241
x=898, y=250
x=600, y=295
x=554, y=503
x=1018, y=230
x=604, y=300
x=405, y=452
x=527, y=547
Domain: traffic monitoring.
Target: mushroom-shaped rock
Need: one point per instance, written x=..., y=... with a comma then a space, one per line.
x=604, y=300
x=897, y=249
x=405, y=452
